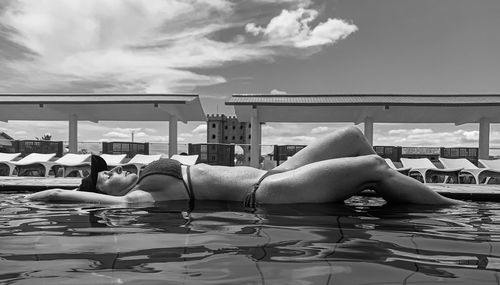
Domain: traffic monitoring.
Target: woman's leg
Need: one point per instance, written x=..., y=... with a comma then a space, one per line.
x=346, y=142
x=335, y=180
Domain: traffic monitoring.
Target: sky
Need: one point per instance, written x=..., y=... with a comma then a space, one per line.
x=216, y=48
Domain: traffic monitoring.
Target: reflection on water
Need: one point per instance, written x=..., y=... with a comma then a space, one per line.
x=362, y=242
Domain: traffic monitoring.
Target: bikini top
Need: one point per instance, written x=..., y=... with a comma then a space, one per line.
x=170, y=167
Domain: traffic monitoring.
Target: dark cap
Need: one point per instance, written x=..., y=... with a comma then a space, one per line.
x=97, y=164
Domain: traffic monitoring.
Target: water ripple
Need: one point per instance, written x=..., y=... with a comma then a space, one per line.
x=363, y=241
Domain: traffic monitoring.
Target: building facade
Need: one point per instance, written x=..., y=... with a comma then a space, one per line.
x=228, y=130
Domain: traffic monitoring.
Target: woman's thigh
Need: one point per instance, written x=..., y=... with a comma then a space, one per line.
x=332, y=180
x=346, y=142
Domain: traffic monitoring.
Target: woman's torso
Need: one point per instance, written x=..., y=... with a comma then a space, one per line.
x=208, y=182
x=212, y=182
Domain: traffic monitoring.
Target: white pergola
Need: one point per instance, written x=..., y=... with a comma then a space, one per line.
x=74, y=107
x=483, y=109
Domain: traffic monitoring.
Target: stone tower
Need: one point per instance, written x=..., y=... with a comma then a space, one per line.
x=228, y=130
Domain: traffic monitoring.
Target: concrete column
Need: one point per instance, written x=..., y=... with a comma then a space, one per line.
x=172, y=136
x=255, y=140
x=369, y=129
x=73, y=133
x=484, y=138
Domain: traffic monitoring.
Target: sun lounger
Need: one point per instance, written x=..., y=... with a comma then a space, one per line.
x=492, y=164
x=39, y=162
x=469, y=169
x=402, y=170
x=427, y=170
x=186, y=159
x=139, y=161
x=113, y=160
x=71, y=162
x=4, y=159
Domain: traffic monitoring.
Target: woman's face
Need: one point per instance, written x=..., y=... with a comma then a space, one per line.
x=116, y=182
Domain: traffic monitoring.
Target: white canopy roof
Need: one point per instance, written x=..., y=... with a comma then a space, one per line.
x=383, y=108
x=101, y=107
x=75, y=107
x=368, y=109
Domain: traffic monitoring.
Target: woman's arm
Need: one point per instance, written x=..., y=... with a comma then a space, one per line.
x=61, y=195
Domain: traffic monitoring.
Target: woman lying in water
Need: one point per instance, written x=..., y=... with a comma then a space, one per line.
x=331, y=169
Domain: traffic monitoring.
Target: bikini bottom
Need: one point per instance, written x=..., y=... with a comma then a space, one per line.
x=250, y=201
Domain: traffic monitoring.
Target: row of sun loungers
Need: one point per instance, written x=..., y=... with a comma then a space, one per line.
x=427, y=170
x=455, y=169
x=43, y=164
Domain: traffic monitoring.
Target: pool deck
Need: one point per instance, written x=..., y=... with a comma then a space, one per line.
x=490, y=192
x=15, y=183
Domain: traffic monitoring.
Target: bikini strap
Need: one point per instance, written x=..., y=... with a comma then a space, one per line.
x=190, y=185
x=250, y=201
x=189, y=188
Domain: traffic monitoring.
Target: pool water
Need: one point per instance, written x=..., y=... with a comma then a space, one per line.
x=362, y=242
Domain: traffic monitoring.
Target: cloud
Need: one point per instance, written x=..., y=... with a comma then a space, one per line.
x=467, y=136
x=431, y=137
x=293, y=27
x=130, y=47
x=410, y=131
x=20, y=134
x=278, y=92
x=299, y=3
x=144, y=45
x=117, y=135
x=150, y=130
x=320, y=130
x=140, y=136
x=495, y=138
x=200, y=129
x=157, y=139
x=94, y=133
x=31, y=129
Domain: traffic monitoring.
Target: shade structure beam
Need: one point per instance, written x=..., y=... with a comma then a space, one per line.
x=255, y=140
x=172, y=136
x=484, y=138
x=71, y=110
x=368, y=130
x=172, y=112
x=73, y=133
